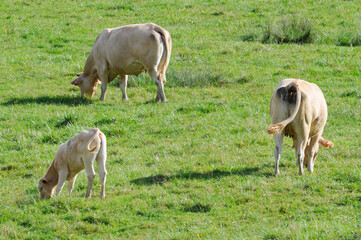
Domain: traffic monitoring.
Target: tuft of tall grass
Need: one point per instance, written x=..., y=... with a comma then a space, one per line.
x=349, y=39
x=289, y=30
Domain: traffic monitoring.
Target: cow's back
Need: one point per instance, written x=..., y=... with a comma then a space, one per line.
x=125, y=50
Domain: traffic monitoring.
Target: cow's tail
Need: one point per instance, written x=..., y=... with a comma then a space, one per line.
x=325, y=143
x=167, y=43
x=94, y=142
x=291, y=90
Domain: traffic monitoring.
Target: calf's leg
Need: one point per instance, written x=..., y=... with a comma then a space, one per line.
x=71, y=184
x=89, y=168
x=101, y=159
x=102, y=175
x=278, y=150
x=63, y=174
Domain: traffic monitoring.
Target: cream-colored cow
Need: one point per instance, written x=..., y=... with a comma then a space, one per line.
x=298, y=110
x=73, y=156
x=123, y=51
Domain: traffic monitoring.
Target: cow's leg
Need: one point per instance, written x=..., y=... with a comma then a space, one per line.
x=71, y=184
x=312, y=152
x=300, y=146
x=88, y=160
x=123, y=86
x=278, y=150
x=103, y=76
x=160, y=94
x=63, y=174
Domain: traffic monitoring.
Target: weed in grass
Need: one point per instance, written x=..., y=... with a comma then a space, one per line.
x=353, y=94
x=94, y=220
x=9, y=167
x=67, y=119
x=50, y=138
x=244, y=79
x=55, y=207
x=198, y=208
x=115, y=132
x=249, y=37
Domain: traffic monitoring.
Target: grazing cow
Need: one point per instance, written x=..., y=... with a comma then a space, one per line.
x=298, y=110
x=73, y=156
x=123, y=51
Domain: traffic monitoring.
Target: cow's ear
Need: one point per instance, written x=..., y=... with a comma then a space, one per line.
x=43, y=180
x=78, y=74
x=76, y=81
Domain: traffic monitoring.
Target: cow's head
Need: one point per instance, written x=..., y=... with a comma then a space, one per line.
x=45, y=188
x=87, y=84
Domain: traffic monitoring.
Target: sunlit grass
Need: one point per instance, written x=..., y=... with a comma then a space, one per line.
x=200, y=166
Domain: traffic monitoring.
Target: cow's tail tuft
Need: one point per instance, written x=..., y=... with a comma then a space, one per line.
x=325, y=143
x=292, y=89
x=167, y=42
x=275, y=128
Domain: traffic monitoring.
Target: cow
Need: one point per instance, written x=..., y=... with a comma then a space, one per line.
x=73, y=156
x=298, y=110
x=123, y=51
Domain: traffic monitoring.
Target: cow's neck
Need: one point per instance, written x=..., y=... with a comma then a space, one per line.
x=52, y=175
x=90, y=71
x=89, y=65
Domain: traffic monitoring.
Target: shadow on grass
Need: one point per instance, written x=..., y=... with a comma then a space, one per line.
x=56, y=100
x=161, y=179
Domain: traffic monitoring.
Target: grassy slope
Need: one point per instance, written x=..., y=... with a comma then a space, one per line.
x=199, y=166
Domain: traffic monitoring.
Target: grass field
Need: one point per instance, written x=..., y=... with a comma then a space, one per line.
x=200, y=166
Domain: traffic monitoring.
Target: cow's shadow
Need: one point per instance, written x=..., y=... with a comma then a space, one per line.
x=50, y=100
x=162, y=179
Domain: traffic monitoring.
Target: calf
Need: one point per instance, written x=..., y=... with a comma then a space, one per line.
x=298, y=110
x=73, y=156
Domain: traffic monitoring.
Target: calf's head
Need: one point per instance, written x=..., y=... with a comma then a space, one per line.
x=87, y=84
x=46, y=189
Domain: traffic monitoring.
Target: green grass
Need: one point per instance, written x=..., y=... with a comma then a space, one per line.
x=200, y=166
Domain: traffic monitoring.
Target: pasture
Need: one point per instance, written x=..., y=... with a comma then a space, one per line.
x=200, y=166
